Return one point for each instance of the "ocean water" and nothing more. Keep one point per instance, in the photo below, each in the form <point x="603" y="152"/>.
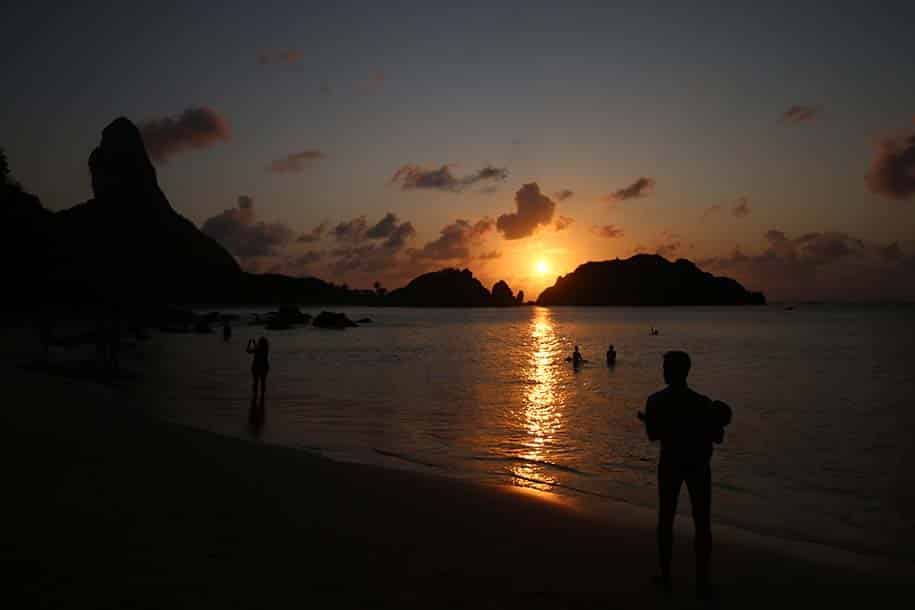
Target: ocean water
<point x="821" y="446"/>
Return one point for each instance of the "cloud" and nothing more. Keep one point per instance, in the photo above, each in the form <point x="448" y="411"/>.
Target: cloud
<point x="563" y="194"/>
<point x="668" y="250"/>
<point x="822" y="265"/>
<point x="607" y="231"/>
<point x="295" y="162"/>
<point x="351" y="230"/>
<point x="640" y="188"/>
<point x="892" y="170"/>
<point x="533" y="209"/>
<point x="741" y="208"/>
<point x="800" y="114"/>
<point x="309" y="257"/>
<point x="488" y="256"/>
<point x="314" y="235"/>
<point x="199" y="127"/>
<point x="397" y="239"/>
<point x="563" y="222"/>
<point x="412" y="177"/>
<point x="711" y="211"/>
<point x="384" y="227"/>
<point x="287" y="57"/>
<point x="454" y="241"/>
<point x="237" y="230"/>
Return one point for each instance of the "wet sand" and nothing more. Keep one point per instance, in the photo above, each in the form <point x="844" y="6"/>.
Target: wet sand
<point x="104" y="508"/>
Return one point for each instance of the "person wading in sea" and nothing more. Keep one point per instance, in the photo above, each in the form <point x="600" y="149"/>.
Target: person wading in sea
<point x="686" y="423"/>
<point x="260" y="366"/>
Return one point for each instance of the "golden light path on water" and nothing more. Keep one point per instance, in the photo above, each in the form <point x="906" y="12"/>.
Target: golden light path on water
<point x="542" y="405"/>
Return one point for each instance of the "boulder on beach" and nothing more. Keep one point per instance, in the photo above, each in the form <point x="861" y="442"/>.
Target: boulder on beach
<point x="329" y="319"/>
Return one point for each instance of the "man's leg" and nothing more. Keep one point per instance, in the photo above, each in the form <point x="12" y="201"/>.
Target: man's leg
<point x="699" y="484"/>
<point x="669" y="482"/>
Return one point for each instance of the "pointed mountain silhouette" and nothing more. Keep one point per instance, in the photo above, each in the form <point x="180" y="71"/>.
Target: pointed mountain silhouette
<point x="646" y="279"/>
<point x="125" y="245"/>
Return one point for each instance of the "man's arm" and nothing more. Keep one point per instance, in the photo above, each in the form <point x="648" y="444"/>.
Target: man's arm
<point x="651" y="420"/>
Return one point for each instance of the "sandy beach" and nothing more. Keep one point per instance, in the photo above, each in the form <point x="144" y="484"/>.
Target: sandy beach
<point x="105" y="508"/>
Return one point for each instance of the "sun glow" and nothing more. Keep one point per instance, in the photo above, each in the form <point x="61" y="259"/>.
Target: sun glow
<point x="541" y="266"/>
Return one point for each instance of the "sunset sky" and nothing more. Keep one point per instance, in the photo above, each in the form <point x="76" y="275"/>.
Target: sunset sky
<point x="772" y="142"/>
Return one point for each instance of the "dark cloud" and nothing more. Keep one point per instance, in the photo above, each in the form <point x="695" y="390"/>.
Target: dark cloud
<point x="563" y="222"/>
<point x="454" y="241"/>
<point x="892" y="171"/>
<point x="288" y="57"/>
<point x="394" y="233"/>
<point x="237" y="230"/>
<point x="800" y="114"/>
<point x="398" y="238"/>
<point x="821" y="265"/>
<point x="295" y="162"/>
<point x="533" y="209"/>
<point x="608" y="231"/>
<point x="563" y="194"/>
<point x="314" y="235"/>
<point x="741" y="208"/>
<point x="413" y="177"/>
<point x="199" y="127"/>
<point x="351" y="230"/>
<point x="370" y="249"/>
<point x="640" y="188"/>
<point x="384" y="227"/>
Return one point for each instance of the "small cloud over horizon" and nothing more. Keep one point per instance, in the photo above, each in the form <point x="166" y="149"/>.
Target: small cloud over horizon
<point x="607" y="231"/>
<point x="295" y="162"/>
<point x="800" y="114"/>
<point x="194" y="128"/>
<point x="642" y="187"/>
<point x="415" y="177"/>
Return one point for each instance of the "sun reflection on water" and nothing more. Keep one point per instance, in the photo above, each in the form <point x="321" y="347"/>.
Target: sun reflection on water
<point x="542" y="405"/>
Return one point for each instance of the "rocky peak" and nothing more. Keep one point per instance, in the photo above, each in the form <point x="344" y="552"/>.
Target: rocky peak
<point x="121" y="168"/>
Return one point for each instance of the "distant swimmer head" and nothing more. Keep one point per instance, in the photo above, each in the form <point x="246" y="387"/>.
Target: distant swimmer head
<point x="676" y="367"/>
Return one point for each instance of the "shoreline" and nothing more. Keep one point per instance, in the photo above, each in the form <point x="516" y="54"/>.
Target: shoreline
<point x="114" y="507"/>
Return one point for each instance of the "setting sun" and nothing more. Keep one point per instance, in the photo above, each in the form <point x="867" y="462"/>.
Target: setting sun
<point x="541" y="267"/>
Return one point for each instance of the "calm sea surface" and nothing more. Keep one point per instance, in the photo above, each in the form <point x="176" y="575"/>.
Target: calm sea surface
<point x="821" y="447"/>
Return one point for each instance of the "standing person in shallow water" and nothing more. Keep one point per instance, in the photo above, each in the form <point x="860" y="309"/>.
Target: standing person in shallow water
<point x="260" y="366"/>
<point x="687" y="424"/>
<point x="576" y="358"/>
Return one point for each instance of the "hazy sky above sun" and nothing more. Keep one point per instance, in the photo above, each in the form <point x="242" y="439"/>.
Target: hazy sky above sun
<point x="363" y="141"/>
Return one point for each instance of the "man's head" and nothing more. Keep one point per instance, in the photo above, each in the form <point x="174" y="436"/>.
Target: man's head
<point x="676" y="367"/>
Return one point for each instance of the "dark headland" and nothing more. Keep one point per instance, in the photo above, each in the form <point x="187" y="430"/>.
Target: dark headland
<point x="646" y="279"/>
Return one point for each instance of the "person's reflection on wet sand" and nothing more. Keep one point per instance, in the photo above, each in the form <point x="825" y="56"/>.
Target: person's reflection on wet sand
<point x="256" y="417"/>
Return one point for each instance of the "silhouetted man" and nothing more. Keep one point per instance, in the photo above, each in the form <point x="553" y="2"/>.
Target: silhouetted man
<point x="686" y="424"/>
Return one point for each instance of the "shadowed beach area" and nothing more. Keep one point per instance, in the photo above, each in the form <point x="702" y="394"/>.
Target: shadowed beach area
<point x="105" y="508"/>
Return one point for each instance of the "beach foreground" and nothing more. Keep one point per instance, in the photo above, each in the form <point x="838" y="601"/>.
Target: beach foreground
<point x="108" y="509"/>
